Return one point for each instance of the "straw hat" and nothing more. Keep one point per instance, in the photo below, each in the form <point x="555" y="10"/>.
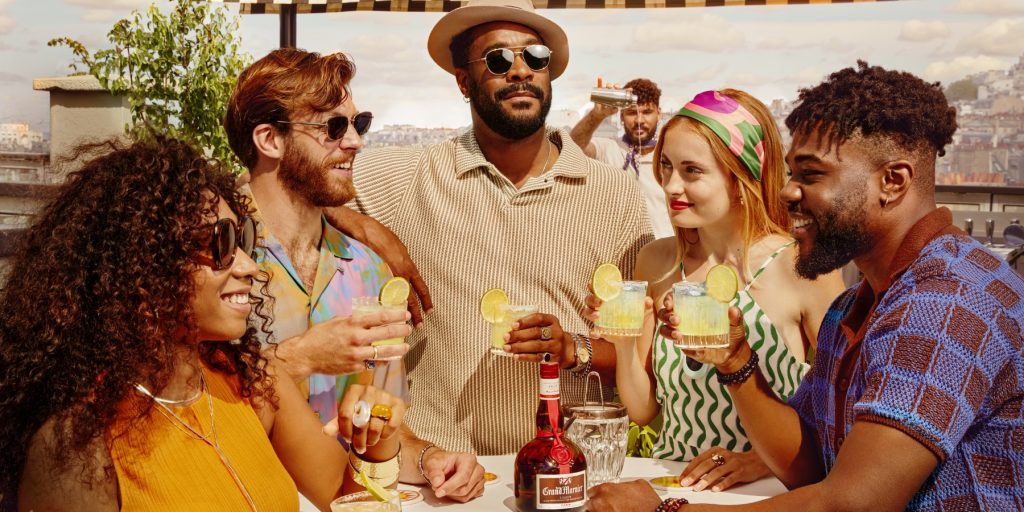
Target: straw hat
<point x="478" y="12"/>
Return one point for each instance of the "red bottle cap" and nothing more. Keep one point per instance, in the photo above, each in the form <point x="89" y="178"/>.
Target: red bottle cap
<point x="549" y="370"/>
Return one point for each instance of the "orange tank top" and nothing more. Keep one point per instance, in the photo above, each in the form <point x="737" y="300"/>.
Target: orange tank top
<point x="163" y="467"/>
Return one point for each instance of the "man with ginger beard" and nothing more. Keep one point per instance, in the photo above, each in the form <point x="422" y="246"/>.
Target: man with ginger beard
<point x="914" y="401"/>
<point x="293" y="122"/>
<point x="511" y="204"/>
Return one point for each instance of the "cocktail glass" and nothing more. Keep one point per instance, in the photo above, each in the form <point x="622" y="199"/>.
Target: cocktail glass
<point x="365" y="502"/>
<point x="510" y="313"/>
<point x="623" y="315"/>
<point x="368" y="305"/>
<point x="703" y="321"/>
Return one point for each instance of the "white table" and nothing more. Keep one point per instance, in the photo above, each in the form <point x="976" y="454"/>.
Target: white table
<point x="500" y="496"/>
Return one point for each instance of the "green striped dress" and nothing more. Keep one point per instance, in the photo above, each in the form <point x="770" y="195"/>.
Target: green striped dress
<point x="697" y="411"/>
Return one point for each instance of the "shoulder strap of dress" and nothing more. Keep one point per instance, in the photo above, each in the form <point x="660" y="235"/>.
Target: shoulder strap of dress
<point x="768" y="262"/>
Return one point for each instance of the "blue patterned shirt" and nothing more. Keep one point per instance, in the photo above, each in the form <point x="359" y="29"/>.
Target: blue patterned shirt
<point x="937" y="355"/>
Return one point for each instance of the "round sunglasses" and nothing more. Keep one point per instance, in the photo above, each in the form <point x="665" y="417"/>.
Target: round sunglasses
<point x="226" y="239"/>
<point x="499" y="60"/>
<point x="338" y="125"/>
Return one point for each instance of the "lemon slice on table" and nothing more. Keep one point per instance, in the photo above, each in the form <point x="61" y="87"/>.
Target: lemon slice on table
<point x="395" y="292"/>
<point x="379" y="492"/>
<point x="490" y="302"/>
<point x="722" y="283"/>
<point x="607" y="281"/>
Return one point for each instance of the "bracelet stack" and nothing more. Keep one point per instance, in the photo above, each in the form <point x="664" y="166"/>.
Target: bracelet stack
<point x="419" y="460"/>
<point x="384" y="473"/>
<point x="671" y="505"/>
<point x="740" y="376"/>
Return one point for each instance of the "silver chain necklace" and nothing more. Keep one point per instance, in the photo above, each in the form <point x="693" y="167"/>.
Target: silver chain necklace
<point x="210" y="439"/>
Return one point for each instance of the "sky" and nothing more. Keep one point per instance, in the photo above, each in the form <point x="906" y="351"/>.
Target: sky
<point x="769" y="51"/>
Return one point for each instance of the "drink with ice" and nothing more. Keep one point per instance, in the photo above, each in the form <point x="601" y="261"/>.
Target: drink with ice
<point x="368" y="305"/>
<point x="507" y="315"/>
<point x="703" y="320"/>
<point x="623" y="315"/>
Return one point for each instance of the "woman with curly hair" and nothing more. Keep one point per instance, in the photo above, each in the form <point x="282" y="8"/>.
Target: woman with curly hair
<point x="131" y="378"/>
<point x="720" y="162"/>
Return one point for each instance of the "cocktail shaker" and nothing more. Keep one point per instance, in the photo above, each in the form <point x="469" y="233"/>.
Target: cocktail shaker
<point x="613" y="97"/>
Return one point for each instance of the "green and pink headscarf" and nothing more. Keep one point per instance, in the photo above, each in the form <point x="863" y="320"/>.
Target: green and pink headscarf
<point x="735" y="125"/>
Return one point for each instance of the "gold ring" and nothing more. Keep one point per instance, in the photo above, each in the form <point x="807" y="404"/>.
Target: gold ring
<point x="375" y="355"/>
<point x="381" y="411"/>
<point x="717" y="458"/>
<point x="545" y="332"/>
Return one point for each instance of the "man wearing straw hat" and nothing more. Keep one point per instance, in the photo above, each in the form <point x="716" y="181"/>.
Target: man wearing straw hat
<point x="509" y="204"/>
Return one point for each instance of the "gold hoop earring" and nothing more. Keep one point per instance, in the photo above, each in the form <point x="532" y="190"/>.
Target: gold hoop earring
<point x="886" y="203"/>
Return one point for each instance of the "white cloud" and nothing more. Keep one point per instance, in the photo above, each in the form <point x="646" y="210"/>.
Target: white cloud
<point x="705" y="33"/>
<point x="960" y="67"/>
<point x="921" y="31"/>
<point x="101" y="15"/>
<point x="989" y="7"/>
<point x="1001" y="37"/>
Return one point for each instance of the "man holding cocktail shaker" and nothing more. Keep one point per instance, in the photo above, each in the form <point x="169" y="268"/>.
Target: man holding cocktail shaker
<point x="638" y="106"/>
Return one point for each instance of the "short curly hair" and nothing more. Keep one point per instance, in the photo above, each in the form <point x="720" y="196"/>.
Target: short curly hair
<point x="647" y="92"/>
<point x="871" y="100"/>
<point x="97" y="297"/>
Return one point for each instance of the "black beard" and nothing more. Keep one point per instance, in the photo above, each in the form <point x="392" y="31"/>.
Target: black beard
<point x="643" y="140"/>
<point x="839" y="239"/>
<point x="307" y="179"/>
<point x="508" y="126"/>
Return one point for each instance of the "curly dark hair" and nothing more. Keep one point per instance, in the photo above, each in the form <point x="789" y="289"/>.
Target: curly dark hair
<point x="647" y="92"/>
<point x="871" y="100"/>
<point x="98" y="293"/>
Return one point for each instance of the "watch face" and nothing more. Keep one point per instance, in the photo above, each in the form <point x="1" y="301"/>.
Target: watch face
<point x="582" y="355"/>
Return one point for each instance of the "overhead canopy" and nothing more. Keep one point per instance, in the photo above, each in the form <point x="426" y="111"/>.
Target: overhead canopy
<point x="322" y="6"/>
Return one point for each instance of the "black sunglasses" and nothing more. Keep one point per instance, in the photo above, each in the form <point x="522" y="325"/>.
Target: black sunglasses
<point x="337" y="126"/>
<point x="500" y="60"/>
<point x="227" y="237"/>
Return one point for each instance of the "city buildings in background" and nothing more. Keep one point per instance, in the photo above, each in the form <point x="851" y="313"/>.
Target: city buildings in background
<point x="987" y="149"/>
<point x="24" y="154"/>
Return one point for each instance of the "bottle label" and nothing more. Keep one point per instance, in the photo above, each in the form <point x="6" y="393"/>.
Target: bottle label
<point x="561" y="491"/>
<point x="549" y="389"/>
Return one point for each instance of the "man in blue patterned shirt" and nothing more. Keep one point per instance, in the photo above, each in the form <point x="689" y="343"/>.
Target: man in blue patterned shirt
<point x="915" y="397"/>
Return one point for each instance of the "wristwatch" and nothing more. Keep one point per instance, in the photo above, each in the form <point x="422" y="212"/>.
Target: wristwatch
<point x="584" y="354"/>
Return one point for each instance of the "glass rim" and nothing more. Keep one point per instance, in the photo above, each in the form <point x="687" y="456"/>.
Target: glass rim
<point x="358" y="496"/>
<point x="595" y="410"/>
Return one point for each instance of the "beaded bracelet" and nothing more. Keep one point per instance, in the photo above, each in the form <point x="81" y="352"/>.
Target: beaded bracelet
<point x="419" y="461"/>
<point x="671" y="505"/>
<point x="740" y="376"/>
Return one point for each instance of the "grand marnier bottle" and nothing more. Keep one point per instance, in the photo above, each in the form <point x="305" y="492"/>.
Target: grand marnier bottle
<point x="551" y="471"/>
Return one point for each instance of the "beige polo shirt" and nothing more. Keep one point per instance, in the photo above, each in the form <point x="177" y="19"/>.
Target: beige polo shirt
<point x="468" y="229"/>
